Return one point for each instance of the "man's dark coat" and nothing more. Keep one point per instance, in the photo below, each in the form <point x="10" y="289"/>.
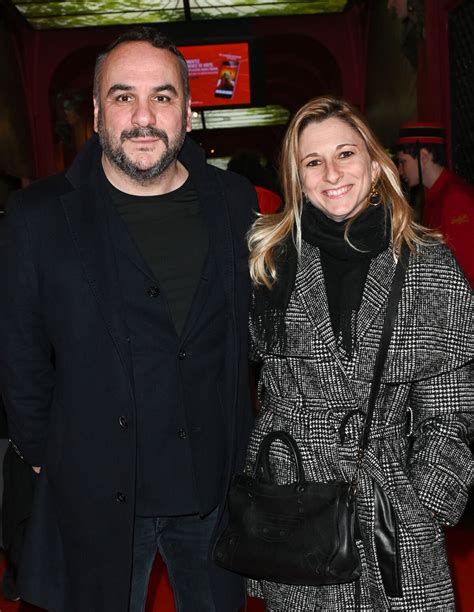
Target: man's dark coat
<point x="67" y="379"/>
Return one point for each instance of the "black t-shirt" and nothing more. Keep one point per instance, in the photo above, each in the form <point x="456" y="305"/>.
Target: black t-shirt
<point x="170" y="233"/>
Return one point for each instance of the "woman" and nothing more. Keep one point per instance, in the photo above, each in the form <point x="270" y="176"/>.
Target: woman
<point x="322" y="270"/>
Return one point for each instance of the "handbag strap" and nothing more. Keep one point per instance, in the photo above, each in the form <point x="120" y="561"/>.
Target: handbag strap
<point x="388" y="325"/>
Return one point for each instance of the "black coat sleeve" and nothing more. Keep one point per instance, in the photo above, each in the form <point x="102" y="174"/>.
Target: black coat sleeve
<point x="26" y="369"/>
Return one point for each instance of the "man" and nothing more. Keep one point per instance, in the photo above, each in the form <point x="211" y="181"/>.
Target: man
<point x="123" y="348"/>
<point x="448" y="200"/>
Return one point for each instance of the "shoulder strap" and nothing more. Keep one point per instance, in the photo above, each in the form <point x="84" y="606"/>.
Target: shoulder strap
<point x="389" y="322"/>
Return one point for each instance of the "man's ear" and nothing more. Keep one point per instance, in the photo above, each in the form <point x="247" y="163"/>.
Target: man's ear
<point x="425" y="157"/>
<point x="96" y="113"/>
<point x="189" y="116"/>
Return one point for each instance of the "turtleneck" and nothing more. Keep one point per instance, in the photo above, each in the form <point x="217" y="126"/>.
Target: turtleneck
<point x="368" y="233"/>
<point x="345" y="264"/>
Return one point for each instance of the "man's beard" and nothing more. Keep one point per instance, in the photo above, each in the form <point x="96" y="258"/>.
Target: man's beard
<point x="117" y="156"/>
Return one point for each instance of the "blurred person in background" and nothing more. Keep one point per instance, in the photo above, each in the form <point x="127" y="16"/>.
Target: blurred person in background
<point x="447" y="200"/>
<point x="256" y="168"/>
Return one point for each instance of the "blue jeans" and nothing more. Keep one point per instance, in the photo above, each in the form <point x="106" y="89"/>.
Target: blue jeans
<point x="183" y="543"/>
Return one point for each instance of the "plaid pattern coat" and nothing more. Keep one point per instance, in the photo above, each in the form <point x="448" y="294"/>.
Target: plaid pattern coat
<point x="308" y="388"/>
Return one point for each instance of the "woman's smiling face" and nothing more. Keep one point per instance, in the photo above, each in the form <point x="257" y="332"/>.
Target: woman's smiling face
<point x="335" y="168"/>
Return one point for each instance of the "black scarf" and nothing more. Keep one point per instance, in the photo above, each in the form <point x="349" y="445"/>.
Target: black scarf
<point x="344" y="267"/>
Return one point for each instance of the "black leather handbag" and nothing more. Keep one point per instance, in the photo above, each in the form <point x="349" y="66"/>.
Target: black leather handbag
<point x="301" y="533"/>
<point x="298" y="533"/>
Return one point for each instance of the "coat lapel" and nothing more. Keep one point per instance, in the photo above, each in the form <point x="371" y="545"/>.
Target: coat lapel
<point x="86" y="214"/>
<point x="311" y="291"/>
<point x="376" y="290"/>
<point x="213" y="201"/>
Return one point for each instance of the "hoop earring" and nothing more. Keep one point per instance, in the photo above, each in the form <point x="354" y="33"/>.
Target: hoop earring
<point x="374" y="196"/>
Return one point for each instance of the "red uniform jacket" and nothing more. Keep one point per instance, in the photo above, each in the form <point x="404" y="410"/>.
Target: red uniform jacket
<point x="449" y="207"/>
<point x="268" y="201"/>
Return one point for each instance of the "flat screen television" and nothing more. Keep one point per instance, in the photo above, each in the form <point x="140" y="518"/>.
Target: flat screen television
<point x="222" y="74"/>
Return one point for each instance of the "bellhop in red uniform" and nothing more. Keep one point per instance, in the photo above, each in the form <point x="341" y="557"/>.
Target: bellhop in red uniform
<point x="448" y="199"/>
<point x="449" y="206"/>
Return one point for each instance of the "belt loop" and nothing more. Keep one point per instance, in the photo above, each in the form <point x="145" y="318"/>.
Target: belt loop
<point x="345" y="419"/>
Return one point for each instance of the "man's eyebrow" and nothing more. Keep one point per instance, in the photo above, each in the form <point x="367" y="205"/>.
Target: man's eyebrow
<point x="167" y="87"/>
<point x="159" y="88"/>
<point x="119" y="87"/>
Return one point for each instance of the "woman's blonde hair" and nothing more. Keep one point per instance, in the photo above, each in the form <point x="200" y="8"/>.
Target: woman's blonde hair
<point x="270" y="231"/>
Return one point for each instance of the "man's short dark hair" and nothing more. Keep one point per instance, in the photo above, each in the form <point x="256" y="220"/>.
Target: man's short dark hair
<point x="142" y="34"/>
<point x="437" y="151"/>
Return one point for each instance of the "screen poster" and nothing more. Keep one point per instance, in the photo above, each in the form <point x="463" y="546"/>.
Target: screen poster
<point x="219" y="74"/>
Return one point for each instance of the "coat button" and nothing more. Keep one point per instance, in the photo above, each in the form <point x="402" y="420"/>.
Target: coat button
<point x="121" y="498"/>
<point x="181" y="355"/>
<point x="153" y="291"/>
<point x="182" y="434"/>
<point x="123" y="422"/>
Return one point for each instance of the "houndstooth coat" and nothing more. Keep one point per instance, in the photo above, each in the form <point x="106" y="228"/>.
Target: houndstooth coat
<point x="309" y="388"/>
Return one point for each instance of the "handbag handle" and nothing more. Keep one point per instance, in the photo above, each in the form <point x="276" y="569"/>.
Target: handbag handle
<point x="261" y="468"/>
